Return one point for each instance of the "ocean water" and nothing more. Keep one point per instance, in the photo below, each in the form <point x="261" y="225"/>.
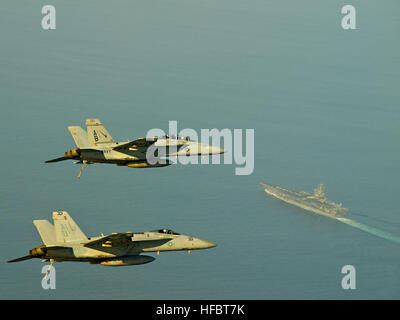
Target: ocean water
<point x="324" y="104"/>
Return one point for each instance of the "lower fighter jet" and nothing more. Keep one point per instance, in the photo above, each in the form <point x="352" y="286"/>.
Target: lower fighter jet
<point x="97" y="146"/>
<point x="64" y="241"/>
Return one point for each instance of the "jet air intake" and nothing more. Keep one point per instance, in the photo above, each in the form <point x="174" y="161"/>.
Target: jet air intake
<point x="127" y="261"/>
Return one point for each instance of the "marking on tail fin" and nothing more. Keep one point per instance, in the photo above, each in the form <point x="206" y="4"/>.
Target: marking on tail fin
<point x="97" y="134"/>
<point x="66" y="230"/>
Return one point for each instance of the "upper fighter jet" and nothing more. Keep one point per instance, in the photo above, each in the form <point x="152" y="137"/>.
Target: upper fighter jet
<point x="64" y="241"/>
<point x="97" y="146"/>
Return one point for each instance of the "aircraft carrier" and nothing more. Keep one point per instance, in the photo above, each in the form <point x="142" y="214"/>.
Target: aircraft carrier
<point x="316" y="202"/>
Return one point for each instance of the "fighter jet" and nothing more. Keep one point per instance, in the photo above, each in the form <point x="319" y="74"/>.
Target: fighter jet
<point x="97" y="146"/>
<point x="65" y="241"/>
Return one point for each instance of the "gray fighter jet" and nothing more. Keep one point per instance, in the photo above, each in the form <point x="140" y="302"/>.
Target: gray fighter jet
<point x="97" y="146"/>
<point x="64" y="241"/>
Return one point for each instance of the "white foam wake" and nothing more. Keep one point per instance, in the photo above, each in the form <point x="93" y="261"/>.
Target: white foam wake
<point x="371" y="230"/>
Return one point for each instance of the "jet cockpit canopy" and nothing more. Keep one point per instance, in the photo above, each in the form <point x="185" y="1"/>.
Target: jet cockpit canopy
<point x="167" y="231"/>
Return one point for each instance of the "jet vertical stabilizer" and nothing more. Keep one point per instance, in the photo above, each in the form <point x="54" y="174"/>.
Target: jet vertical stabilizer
<point x="66" y="230"/>
<point x="97" y="134"/>
<point x="80" y="136"/>
<point x="46" y="231"/>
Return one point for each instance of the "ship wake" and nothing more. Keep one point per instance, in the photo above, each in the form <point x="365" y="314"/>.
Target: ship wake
<point x="370" y="230"/>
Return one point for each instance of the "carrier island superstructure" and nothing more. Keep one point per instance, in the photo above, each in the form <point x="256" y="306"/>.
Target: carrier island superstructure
<point x="316" y="202"/>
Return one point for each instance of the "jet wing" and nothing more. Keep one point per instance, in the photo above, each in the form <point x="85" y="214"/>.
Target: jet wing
<point x="121" y="239"/>
<point x="141" y="142"/>
<point x="115" y="239"/>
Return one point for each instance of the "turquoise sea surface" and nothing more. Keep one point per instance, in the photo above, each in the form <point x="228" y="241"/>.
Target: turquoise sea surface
<point x="324" y="103"/>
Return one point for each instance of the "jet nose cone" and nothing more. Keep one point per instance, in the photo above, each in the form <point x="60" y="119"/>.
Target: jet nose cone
<point x="204" y="244"/>
<point x="211" y="244"/>
<point x="216" y="150"/>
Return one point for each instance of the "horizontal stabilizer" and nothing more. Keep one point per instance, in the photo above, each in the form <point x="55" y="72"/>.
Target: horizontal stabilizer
<point x="21" y="259"/>
<point x="57" y="159"/>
